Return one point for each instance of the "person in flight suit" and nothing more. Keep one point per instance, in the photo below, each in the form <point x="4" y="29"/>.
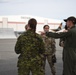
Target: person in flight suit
<point x="69" y="64"/>
<point x="30" y="48"/>
<point x="50" y="49"/>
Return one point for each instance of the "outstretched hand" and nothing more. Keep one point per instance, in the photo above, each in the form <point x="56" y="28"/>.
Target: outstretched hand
<point x="42" y="33"/>
<point x="65" y="31"/>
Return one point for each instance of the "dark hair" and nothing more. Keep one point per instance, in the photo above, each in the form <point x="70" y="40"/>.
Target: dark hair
<point x="32" y="23"/>
<point x="66" y="27"/>
<point x="71" y="18"/>
<point x="75" y="21"/>
<point x="45" y="26"/>
<point x="26" y="27"/>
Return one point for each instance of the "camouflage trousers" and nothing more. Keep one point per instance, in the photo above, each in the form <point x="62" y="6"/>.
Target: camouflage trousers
<point x="51" y="64"/>
<point x="35" y="68"/>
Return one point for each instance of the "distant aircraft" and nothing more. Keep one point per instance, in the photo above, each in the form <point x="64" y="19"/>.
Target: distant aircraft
<point x="18" y="22"/>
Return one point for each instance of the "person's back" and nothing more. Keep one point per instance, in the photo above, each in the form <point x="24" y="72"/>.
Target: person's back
<point x="30" y="44"/>
<point x="31" y="48"/>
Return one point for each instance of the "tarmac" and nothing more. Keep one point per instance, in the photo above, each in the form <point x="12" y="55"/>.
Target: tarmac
<point x="8" y="58"/>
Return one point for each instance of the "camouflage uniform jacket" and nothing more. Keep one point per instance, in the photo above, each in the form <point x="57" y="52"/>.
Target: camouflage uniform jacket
<point x="30" y="46"/>
<point x="49" y="45"/>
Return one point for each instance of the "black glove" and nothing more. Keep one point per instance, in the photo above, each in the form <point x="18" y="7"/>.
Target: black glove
<point x="54" y="58"/>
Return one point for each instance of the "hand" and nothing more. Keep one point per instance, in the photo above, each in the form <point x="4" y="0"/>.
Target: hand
<point x="65" y="31"/>
<point x="42" y="33"/>
<point x="62" y="43"/>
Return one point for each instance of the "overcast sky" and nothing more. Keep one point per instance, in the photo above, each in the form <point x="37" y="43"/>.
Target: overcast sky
<point x="56" y="9"/>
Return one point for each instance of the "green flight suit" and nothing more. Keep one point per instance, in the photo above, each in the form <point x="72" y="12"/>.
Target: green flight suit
<point x="69" y="64"/>
<point x="31" y="48"/>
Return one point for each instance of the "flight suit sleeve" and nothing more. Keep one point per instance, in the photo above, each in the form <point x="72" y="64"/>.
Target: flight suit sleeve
<point x="58" y="35"/>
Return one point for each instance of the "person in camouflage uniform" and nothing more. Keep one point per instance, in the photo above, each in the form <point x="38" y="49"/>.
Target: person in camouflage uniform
<point x="50" y="49"/>
<point x="31" y="48"/>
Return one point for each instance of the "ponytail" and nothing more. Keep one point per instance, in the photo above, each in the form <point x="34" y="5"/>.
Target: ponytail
<point x="32" y="23"/>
